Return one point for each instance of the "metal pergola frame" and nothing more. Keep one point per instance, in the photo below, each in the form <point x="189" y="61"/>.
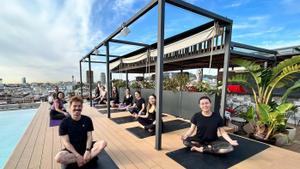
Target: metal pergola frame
<point x="227" y="23"/>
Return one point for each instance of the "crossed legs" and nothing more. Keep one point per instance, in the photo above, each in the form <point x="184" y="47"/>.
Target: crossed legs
<point x="66" y="157"/>
<point x="215" y="147"/>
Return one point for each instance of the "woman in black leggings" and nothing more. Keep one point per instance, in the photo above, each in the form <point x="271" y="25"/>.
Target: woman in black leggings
<point x="148" y="120"/>
<point x="208" y="125"/>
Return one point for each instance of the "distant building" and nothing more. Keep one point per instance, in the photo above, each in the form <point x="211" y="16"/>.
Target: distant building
<point x="102" y="78"/>
<point x="24" y="80"/>
<point x="1" y="85"/>
<point x="88" y="79"/>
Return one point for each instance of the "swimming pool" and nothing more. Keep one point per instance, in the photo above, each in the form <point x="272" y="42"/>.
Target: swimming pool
<point x="12" y="126"/>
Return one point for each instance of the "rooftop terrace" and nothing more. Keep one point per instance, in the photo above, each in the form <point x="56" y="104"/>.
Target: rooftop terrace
<point x="40" y="143"/>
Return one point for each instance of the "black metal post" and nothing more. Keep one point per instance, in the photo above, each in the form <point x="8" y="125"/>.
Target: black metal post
<point x="90" y="81"/>
<point x="127" y="79"/>
<point x="180" y="96"/>
<point x="108" y="79"/>
<point x="80" y="70"/>
<point x="225" y="68"/>
<point x="159" y="72"/>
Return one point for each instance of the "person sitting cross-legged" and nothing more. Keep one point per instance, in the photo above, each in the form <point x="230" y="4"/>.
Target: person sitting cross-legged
<point x="208" y="125"/>
<point x="127" y="101"/>
<point x="97" y="97"/>
<point x="114" y="97"/>
<point x="148" y="120"/>
<point x="76" y="134"/>
<point x="138" y="108"/>
<point x="57" y="110"/>
<point x="103" y="95"/>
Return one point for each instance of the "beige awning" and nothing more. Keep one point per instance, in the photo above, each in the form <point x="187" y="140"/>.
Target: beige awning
<point x="181" y="44"/>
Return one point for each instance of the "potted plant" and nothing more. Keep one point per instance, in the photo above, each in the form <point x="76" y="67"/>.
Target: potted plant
<point x="170" y="84"/>
<point x="266" y="115"/>
<point x="135" y="85"/>
<point x="182" y="80"/>
<point x="147" y="84"/>
<point x="119" y="83"/>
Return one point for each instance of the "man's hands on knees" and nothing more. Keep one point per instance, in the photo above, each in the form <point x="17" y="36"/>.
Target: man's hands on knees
<point x="87" y="156"/>
<point x="234" y="143"/>
<point x="183" y="137"/>
<point x="79" y="160"/>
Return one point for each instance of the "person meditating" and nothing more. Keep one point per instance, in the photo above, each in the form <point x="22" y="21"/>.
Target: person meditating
<point x="76" y="134"/>
<point x="139" y="105"/>
<point x="103" y="95"/>
<point x="208" y="125"/>
<point x="114" y="97"/>
<point x="97" y="97"/>
<point x="57" y="110"/>
<point x="148" y="120"/>
<point x="127" y="101"/>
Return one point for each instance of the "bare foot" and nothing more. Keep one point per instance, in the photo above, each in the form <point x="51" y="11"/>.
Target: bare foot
<point x="199" y="149"/>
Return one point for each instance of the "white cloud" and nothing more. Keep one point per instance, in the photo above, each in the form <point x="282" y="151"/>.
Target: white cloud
<point x="279" y="44"/>
<point x="243" y="26"/>
<point x="260" y="33"/>
<point x="259" y="18"/>
<point x="233" y="5"/>
<point x="43" y="40"/>
<point x="290" y="6"/>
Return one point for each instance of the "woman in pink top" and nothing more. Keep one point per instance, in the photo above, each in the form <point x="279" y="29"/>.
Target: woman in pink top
<point x="57" y="109"/>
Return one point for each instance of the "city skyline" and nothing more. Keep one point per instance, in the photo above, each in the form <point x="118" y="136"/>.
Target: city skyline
<point x="44" y="40"/>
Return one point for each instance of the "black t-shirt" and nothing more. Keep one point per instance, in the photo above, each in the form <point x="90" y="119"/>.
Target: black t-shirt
<point x="115" y="97"/>
<point x="97" y="92"/>
<point x="207" y="126"/>
<point x="139" y="103"/>
<point x="77" y="131"/>
<point x="128" y="101"/>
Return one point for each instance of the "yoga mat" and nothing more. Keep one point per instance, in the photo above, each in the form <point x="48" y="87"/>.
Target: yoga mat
<point x="122" y="120"/>
<point x="111" y="111"/>
<point x="196" y="160"/>
<point x="99" y="106"/>
<point x="104" y="161"/>
<point x="54" y="123"/>
<point x="168" y="126"/>
<point x="125" y="119"/>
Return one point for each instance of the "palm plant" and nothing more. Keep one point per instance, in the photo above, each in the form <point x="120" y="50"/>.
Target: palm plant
<point x="266" y="80"/>
<point x="274" y="118"/>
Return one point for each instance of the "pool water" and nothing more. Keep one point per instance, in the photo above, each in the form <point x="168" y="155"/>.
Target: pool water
<point x="12" y="126"/>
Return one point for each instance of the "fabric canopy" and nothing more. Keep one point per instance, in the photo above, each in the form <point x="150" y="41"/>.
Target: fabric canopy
<point x="181" y="44"/>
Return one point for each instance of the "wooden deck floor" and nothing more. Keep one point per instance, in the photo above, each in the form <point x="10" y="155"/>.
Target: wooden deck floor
<point x="40" y="143"/>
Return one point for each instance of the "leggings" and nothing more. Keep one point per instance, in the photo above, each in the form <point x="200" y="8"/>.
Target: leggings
<point x="135" y="111"/>
<point x="147" y="123"/>
<point x="218" y="146"/>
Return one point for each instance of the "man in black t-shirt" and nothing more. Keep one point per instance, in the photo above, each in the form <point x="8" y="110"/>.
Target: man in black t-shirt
<point x="208" y="125"/>
<point x="76" y="134"/>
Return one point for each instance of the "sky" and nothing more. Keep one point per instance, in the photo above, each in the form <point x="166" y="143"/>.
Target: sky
<point x="43" y="40"/>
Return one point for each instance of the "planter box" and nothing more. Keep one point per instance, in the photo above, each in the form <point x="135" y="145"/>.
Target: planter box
<point x="190" y="105"/>
<point x="171" y="102"/>
<point x="180" y="104"/>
